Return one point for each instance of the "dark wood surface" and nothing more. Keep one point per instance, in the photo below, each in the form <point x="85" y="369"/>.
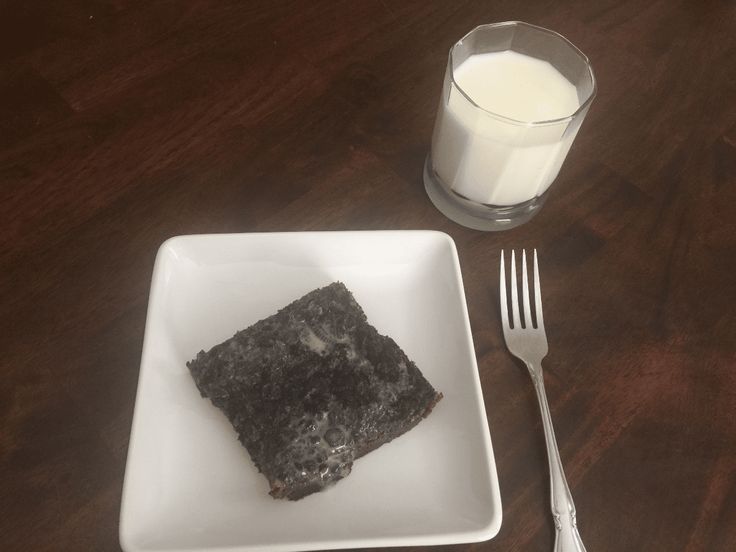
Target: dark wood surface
<point x="123" y="123"/>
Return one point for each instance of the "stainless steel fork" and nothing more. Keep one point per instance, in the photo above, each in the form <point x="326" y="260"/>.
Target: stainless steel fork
<point x="529" y="344"/>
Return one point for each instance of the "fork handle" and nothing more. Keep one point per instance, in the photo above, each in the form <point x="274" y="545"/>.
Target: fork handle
<point x="567" y="538"/>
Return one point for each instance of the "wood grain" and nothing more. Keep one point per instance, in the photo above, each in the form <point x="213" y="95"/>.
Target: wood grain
<point x="123" y="123"/>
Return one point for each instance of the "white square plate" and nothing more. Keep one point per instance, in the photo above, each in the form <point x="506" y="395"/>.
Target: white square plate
<point x="190" y="485"/>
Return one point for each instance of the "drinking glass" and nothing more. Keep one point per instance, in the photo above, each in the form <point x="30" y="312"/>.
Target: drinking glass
<point x="487" y="170"/>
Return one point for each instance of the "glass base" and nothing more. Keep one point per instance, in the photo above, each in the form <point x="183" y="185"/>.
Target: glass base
<point x="478" y="216"/>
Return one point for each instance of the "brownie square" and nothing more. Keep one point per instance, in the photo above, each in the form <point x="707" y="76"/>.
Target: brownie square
<point x="311" y="388"/>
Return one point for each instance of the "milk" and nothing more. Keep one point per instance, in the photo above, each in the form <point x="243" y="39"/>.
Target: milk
<point x="492" y="160"/>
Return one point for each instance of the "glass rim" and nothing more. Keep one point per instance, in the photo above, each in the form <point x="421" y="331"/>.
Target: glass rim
<point x="547" y="122"/>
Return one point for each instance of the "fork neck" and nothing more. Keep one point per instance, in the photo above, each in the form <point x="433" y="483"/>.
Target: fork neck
<point x="535" y="371"/>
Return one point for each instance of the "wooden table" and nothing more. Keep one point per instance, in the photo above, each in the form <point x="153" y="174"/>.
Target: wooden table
<point x="123" y="123"/>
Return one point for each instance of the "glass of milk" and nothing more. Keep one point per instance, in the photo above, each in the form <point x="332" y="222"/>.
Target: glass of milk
<point x="513" y="99"/>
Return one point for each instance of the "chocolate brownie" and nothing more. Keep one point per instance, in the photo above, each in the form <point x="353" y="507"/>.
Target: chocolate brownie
<point x="311" y="388"/>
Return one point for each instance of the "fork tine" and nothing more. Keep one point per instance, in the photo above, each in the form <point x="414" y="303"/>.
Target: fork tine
<point x="502" y="285"/>
<point x="537" y="294"/>
<point x="514" y="293"/>
<point x="525" y="291"/>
